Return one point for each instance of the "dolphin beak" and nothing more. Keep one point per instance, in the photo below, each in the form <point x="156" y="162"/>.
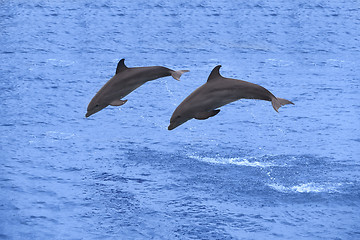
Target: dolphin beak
<point x="174" y="125"/>
<point x="171" y="126"/>
<point x="88" y="114"/>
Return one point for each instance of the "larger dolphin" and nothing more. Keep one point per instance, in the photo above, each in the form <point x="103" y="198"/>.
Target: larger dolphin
<point x="124" y="82"/>
<point x="216" y="92"/>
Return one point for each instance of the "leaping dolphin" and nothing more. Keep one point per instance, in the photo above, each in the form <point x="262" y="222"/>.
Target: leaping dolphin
<point x="124" y="82"/>
<point x="216" y="92"/>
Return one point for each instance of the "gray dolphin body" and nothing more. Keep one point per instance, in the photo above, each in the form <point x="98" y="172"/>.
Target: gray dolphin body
<point x="124" y="82"/>
<point x="216" y="92"/>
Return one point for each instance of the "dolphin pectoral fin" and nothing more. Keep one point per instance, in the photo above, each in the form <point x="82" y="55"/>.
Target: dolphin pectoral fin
<point x="177" y="74"/>
<point x="206" y="115"/>
<point x="118" y="102"/>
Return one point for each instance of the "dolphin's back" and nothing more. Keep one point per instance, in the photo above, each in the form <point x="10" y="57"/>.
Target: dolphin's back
<point x="248" y="90"/>
<point x="129" y="79"/>
<point x="218" y="93"/>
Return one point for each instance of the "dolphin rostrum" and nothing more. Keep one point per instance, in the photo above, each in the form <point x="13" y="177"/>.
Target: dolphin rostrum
<point x="216" y="92"/>
<point x="124" y="82"/>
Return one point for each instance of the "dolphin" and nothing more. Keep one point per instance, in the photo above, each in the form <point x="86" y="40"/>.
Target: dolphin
<point x="124" y="82"/>
<point x="216" y="92"/>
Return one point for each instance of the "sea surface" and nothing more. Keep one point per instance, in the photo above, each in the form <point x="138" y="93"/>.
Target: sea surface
<point x="247" y="173"/>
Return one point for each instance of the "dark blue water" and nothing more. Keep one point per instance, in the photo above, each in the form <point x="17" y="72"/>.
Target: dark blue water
<point x="247" y="173"/>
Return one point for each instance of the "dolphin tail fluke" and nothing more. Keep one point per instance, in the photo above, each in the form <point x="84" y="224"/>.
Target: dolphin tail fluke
<point x="278" y="102"/>
<point x="177" y="74"/>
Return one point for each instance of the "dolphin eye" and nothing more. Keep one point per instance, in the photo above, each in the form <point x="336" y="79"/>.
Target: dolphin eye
<point x="96" y="105"/>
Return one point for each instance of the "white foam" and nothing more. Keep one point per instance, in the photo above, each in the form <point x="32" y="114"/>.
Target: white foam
<point x="60" y="62"/>
<point x="59" y="135"/>
<point x="234" y="161"/>
<point x="278" y="62"/>
<point x="307" y="187"/>
<point x="335" y="62"/>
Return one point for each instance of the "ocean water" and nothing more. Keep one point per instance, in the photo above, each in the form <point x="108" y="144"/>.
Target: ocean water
<point x="247" y="173"/>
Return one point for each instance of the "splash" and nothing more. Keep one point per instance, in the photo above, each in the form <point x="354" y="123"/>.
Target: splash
<point x="310" y="187"/>
<point x="55" y="135"/>
<point x="235" y="161"/>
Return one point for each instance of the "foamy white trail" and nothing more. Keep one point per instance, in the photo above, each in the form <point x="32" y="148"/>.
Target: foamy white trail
<point x="234" y="161"/>
<point x="310" y="187"/>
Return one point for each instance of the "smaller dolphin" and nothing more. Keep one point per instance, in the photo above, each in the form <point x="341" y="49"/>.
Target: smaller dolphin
<point x="216" y="92"/>
<point x="124" y="82"/>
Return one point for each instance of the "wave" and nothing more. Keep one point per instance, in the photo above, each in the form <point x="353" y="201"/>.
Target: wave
<point x="310" y="187"/>
<point x="52" y="136"/>
<point x="55" y="135"/>
<point x="60" y="62"/>
<point x="250" y="162"/>
<point x="279" y="62"/>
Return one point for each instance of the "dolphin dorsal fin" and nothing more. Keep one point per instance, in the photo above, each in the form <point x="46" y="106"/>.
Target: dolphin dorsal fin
<point x="214" y="74"/>
<point x="121" y="66"/>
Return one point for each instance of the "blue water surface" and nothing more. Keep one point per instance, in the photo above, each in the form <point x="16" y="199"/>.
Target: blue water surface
<point x="247" y="173"/>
